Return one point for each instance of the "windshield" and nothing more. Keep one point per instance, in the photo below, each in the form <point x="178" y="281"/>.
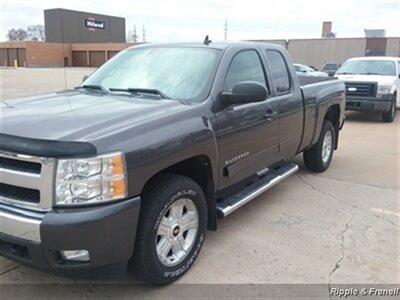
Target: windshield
<point x="177" y="72"/>
<point x="368" y="67"/>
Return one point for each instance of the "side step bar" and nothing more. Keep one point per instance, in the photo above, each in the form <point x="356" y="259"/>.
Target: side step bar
<point x="273" y="177"/>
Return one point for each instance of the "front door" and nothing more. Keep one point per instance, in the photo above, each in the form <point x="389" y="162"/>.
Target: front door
<point x="247" y="134"/>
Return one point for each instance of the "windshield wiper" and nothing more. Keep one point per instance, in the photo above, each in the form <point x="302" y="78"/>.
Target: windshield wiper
<point x="141" y="91"/>
<point x="345" y="73"/>
<point x="92" y="87"/>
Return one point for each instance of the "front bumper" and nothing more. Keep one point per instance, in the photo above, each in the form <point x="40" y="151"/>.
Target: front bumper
<point x="107" y="232"/>
<point x="369" y="104"/>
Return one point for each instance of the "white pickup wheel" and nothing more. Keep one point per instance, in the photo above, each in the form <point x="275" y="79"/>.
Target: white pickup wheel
<point x="391" y="114"/>
<point x="319" y="157"/>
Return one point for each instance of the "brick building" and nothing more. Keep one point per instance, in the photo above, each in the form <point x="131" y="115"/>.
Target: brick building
<point x="91" y="39"/>
<point x="73" y="38"/>
<point x="43" y="54"/>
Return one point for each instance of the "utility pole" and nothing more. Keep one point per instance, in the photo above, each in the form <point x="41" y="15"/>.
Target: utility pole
<point x="226" y="30"/>
<point x="144" y="34"/>
<point x="135" y="37"/>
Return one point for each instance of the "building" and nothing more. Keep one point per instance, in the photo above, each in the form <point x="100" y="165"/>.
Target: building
<point x="327" y="30"/>
<point x="72" y="38"/>
<point x="314" y="52"/>
<point x="82" y="50"/>
<point x="43" y="54"/>
<point x="375" y="33"/>
<point x="69" y="26"/>
<point x="318" y="52"/>
<point x="329" y="49"/>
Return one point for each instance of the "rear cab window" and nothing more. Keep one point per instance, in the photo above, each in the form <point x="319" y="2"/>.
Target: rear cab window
<point x="280" y="74"/>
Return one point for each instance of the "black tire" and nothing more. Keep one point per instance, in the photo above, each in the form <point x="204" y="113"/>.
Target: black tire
<point x="313" y="157"/>
<point x="156" y="200"/>
<point x="389" y="116"/>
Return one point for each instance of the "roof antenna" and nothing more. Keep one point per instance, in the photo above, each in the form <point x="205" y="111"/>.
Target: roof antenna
<point x="207" y="41"/>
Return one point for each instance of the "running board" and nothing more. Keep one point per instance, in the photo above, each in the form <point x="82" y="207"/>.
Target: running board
<point x="267" y="181"/>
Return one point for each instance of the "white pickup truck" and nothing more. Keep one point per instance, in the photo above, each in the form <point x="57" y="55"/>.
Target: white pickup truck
<point x="372" y="85"/>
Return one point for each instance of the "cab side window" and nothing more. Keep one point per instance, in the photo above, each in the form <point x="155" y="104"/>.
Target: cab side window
<point x="279" y="71"/>
<point x="245" y="66"/>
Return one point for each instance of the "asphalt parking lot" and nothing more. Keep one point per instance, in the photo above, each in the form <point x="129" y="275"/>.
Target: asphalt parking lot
<point x="341" y="226"/>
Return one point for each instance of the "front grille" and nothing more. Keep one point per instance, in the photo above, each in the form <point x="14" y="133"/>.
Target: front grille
<point x="19" y="193"/>
<point x="20" y="165"/>
<point x="26" y="181"/>
<point x="361" y="89"/>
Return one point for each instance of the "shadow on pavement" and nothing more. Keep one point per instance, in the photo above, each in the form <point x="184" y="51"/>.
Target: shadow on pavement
<point x="363" y="117"/>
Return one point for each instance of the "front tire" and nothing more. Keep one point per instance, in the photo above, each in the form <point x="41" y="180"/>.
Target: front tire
<point x="389" y="116"/>
<point x="172" y="227"/>
<point x="319" y="157"/>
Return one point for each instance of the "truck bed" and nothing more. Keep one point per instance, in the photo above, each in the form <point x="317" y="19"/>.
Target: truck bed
<point x="305" y="80"/>
<point x="314" y="90"/>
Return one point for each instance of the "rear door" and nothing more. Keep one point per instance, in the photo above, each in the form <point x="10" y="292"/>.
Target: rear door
<point x="247" y="134"/>
<point x="290" y="103"/>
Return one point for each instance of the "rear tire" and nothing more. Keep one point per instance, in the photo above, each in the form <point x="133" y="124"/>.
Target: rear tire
<point x="318" y="158"/>
<point x="172" y="228"/>
<point x="389" y="116"/>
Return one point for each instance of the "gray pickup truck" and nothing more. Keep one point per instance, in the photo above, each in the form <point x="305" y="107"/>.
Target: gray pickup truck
<point x="132" y="167"/>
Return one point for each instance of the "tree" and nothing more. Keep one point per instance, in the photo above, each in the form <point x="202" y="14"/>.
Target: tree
<point x="11" y="34"/>
<point x="32" y="33"/>
<point x="35" y="33"/>
<point x="17" y="35"/>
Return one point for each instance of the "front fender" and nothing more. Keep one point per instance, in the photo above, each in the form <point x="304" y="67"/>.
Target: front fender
<point x="168" y="146"/>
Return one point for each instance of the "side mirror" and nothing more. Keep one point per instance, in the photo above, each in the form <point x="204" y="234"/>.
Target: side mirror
<point x="245" y="92"/>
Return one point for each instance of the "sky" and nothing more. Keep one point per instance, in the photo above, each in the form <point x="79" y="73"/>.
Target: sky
<point x="191" y="20"/>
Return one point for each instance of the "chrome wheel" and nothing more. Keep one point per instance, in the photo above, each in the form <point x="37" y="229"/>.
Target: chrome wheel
<point x="327" y="147"/>
<point x="177" y="232"/>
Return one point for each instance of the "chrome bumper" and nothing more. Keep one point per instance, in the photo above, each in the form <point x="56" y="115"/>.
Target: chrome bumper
<point x="20" y="223"/>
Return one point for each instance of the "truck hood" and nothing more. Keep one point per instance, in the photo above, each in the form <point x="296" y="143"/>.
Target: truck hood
<point x="380" y="79"/>
<point x="76" y="116"/>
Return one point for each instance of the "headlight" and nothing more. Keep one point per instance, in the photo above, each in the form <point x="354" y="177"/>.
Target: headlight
<point x="384" y="89"/>
<point x="91" y="180"/>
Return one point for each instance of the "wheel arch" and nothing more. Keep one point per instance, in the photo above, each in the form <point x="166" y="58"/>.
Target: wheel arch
<point x="199" y="169"/>
<point x="333" y="115"/>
